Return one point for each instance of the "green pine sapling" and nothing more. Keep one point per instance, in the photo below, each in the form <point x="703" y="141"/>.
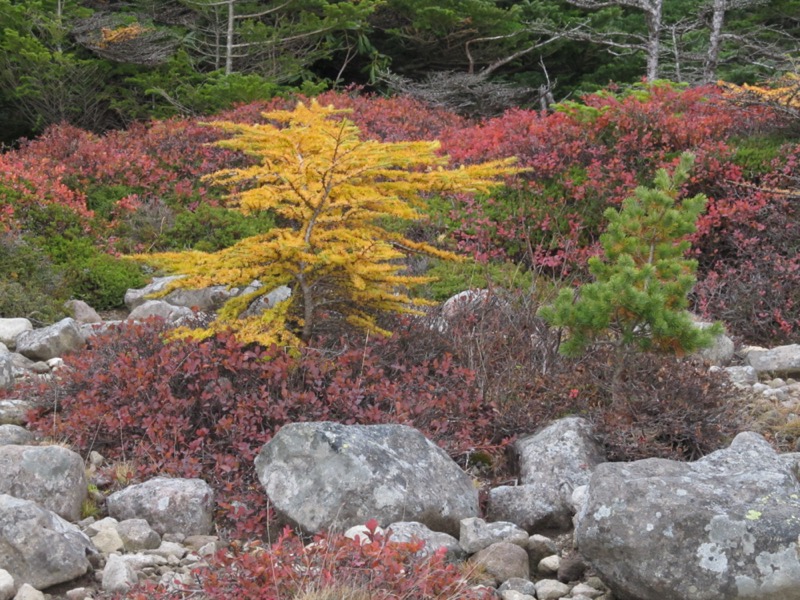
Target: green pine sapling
<point x="638" y="299"/>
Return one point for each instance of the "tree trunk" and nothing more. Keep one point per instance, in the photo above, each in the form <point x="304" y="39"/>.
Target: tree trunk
<point x="229" y="39"/>
<point x="714" y="41"/>
<point x="653" y="16"/>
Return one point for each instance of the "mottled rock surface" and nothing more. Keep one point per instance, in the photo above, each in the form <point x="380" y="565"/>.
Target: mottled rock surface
<point x="325" y="475"/>
<point x="723" y="527"/>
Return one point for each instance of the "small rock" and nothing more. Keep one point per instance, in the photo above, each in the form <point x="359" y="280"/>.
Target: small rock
<point x="476" y="534"/>
<point x="96" y="459"/>
<point x="586" y="590"/>
<point x="79" y="593"/>
<point x="550" y="589"/>
<point x="169" y="549"/>
<point x="503" y="560"/>
<point x="540" y="546"/>
<point x="108" y="540"/>
<point x="28" y="592"/>
<point x="11" y="328"/>
<point x="571" y="568"/>
<point x="118" y="575"/>
<point x="137" y="535"/>
<point x="549" y="565"/>
<point x="82" y="312"/>
<point x="14" y="434"/>
<point x="96" y="527"/>
<point x="515" y="595"/>
<point x="518" y="584"/>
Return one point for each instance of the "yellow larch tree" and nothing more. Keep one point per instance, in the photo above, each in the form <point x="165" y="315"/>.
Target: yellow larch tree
<point x="782" y="93"/>
<point x="332" y="190"/>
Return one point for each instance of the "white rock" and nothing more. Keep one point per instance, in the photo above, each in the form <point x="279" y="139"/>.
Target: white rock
<point x="549" y="565"/>
<point x="169" y="549"/>
<point x="108" y="540"/>
<point x="361" y="534"/>
<point x="79" y="593"/>
<point x="515" y="595"/>
<point x="6" y="585"/>
<point x="28" y="592"/>
<point x="118" y="575"/>
<point x="11" y="328"/>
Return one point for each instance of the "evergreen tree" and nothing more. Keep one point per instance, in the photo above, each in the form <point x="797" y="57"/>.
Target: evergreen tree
<point x="638" y="300"/>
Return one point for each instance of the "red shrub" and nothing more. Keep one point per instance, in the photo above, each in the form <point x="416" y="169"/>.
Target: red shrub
<point x="205" y="409"/>
<point x="380" y="569"/>
<point x="587" y="157"/>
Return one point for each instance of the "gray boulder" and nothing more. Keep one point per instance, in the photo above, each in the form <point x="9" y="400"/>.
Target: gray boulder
<point x="781" y="360"/>
<point x="552" y="463"/>
<point x="14" y="435"/>
<point x="326" y="475"/>
<point x="169" y="505"/>
<point x="138" y="296"/>
<point x="564" y="454"/>
<point x="83" y="313"/>
<point x="723" y="527"/>
<point x="38" y="547"/>
<point x="51" y="476"/>
<point x="49" y="342"/>
<point x="11" y="328"/>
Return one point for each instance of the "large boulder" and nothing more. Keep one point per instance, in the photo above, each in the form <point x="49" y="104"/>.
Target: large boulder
<point x="169" y="505"/>
<point x="781" y="360"/>
<point x="51" y="476"/>
<point x="49" y="342"/>
<point x="38" y="547"/>
<point x="11" y="328"/>
<point x="723" y="527"/>
<point x="552" y="463"/>
<point x="326" y="475"/>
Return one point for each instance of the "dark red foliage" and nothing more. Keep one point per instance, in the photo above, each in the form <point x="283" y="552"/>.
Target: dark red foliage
<point x="379" y="569"/>
<point x="205" y="409"/>
<point x="587" y="157"/>
<point x="751" y="271"/>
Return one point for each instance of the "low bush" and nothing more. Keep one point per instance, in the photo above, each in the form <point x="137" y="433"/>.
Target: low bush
<point x="205" y="408"/>
<point x="30" y="285"/>
<point x="98" y="279"/>
<point x="330" y="568"/>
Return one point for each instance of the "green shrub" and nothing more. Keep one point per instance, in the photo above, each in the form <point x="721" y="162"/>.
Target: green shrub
<point x="30" y="286"/>
<point x="96" y="278"/>
<point x="102" y="280"/>
<point x="211" y="228"/>
<point x="452" y="278"/>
